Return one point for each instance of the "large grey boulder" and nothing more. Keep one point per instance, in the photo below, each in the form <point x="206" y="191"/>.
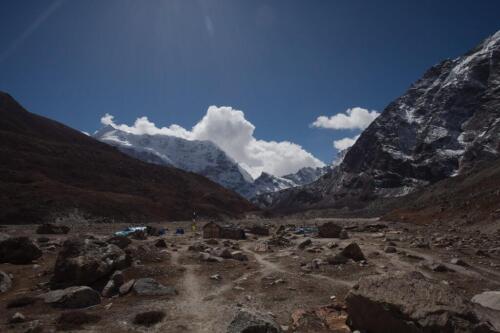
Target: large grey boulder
<point x="86" y="261"/>
<point x="410" y="303"/>
<point x="488" y="299"/>
<point x="5" y="282"/>
<point x="151" y="287"/>
<point x="247" y="321"/>
<point x="18" y="250"/>
<point x="72" y="297"/>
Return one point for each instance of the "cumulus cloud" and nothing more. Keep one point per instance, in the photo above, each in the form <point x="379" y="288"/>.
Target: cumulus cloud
<point x="354" y="118"/>
<point x="232" y="132"/>
<point x="345" y="143"/>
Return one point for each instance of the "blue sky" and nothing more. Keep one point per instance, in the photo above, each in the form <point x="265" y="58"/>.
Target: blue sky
<point x="283" y="62"/>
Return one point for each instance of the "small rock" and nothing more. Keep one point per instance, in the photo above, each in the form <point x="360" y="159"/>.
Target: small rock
<point x="441" y="268"/>
<point x="238" y="255"/>
<point x="126" y="287"/>
<point x="216" y="277"/>
<point x="343" y="234"/>
<point x="150" y="287"/>
<point x="305" y="243"/>
<point x="120" y="241"/>
<point x="18" y="317"/>
<point x="161" y="243"/>
<point x="458" y="262"/>
<point x="210" y="258"/>
<point x="390" y="249"/>
<point x="332" y="245"/>
<point x="250" y="321"/>
<point x="5" y="282"/>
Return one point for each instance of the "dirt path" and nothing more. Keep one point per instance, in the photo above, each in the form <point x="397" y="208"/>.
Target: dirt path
<point x="192" y="311"/>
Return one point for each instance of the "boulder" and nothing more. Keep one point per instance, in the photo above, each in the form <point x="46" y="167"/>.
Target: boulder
<point x="197" y="247"/>
<point x="210" y="258"/>
<point x="113" y="286"/>
<point x="488" y="299"/>
<point x="329" y="230"/>
<point x="305" y="243"/>
<point x="343" y="234"/>
<point x="18" y="250"/>
<point x="353" y="251"/>
<point x="161" y="243"/>
<point x="86" y="261"/>
<point x="247" y="321"/>
<point x="126" y="287"/>
<point x="238" y="255"/>
<point x="17" y="318"/>
<point x="72" y="297"/>
<point x="458" y="262"/>
<point x="5" y="282"/>
<point x="52" y="229"/>
<point x="390" y="249"/>
<point x="408" y="302"/>
<point x="120" y="241"/>
<point x="440" y="268"/>
<point x="151" y="287"/>
<point x="222" y="253"/>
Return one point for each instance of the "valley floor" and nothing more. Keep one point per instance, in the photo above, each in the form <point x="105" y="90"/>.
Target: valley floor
<point x="280" y="281"/>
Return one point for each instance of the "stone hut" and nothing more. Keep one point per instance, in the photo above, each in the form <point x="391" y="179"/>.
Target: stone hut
<point x="212" y="230"/>
<point x="215" y="230"/>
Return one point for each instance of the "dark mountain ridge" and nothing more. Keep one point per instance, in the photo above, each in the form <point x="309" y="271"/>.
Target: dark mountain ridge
<point x="445" y="124"/>
<point x="48" y="168"/>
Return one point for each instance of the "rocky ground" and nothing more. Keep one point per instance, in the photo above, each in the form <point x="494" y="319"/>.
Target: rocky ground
<point x="407" y="277"/>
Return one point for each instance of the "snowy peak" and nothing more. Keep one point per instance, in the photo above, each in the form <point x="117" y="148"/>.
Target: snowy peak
<point x="202" y="157"/>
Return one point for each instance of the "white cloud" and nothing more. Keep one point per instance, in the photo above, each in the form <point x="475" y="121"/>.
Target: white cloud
<point x="354" y="118"/>
<point x="234" y="134"/>
<point x="142" y="125"/>
<point x="345" y="143"/>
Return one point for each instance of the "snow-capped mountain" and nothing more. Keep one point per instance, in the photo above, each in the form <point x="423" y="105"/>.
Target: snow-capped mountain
<point x="202" y="157"/>
<point x="447" y="122"/>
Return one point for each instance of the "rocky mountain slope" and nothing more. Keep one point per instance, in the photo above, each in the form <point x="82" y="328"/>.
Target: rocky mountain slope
<point x="471" y="197"/>
<point x="204" y="158"/>
<point x="47" y="168"/>
<point x="445" y="124"/>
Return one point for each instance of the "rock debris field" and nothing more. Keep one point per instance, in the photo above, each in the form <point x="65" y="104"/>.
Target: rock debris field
<point x="316" y="275"/>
